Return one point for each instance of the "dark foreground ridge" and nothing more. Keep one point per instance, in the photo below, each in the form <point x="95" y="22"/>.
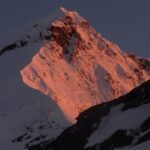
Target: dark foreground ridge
<point x="76" y="137"/>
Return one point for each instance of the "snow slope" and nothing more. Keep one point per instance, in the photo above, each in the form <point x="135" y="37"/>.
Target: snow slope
<point x="78" y="68"/>
<point x="26" y="116"/>
<point x="121" y="124"/>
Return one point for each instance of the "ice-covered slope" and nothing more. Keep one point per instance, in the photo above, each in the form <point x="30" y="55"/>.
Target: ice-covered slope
<point x="26" y="116"/>
<point x="78" y="68"/>
<point x="122" y="124"/>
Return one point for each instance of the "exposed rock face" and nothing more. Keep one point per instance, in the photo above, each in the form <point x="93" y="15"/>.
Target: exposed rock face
<point x="79" y="68"/>
<point x="121" y="124"/>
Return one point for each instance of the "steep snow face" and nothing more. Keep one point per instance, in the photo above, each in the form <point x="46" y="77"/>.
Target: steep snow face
<point x="121" y="124"/>
<point x="26" y="116"/>
<point x="78" y="68"/>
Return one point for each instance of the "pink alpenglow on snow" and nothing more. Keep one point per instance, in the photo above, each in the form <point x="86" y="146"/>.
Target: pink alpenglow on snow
<point x="78" y="68"/>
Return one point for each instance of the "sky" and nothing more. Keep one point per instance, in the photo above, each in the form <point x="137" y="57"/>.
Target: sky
<point x="126" y="23"/>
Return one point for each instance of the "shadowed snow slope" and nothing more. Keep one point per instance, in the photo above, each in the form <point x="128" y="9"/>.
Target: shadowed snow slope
<point x="26" y="116"/>
<point x="121" y="124"/>
<point x="78" y="68"/>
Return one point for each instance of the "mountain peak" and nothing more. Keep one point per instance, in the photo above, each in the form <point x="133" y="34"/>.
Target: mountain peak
<point x="68" y="26"/>
<point x="72" y="14"/>
<point x="78" y="68"/>
<point x="67" y="12"/>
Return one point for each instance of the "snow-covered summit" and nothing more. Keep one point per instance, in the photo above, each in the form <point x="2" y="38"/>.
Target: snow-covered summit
<point x="78" y="68"/>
